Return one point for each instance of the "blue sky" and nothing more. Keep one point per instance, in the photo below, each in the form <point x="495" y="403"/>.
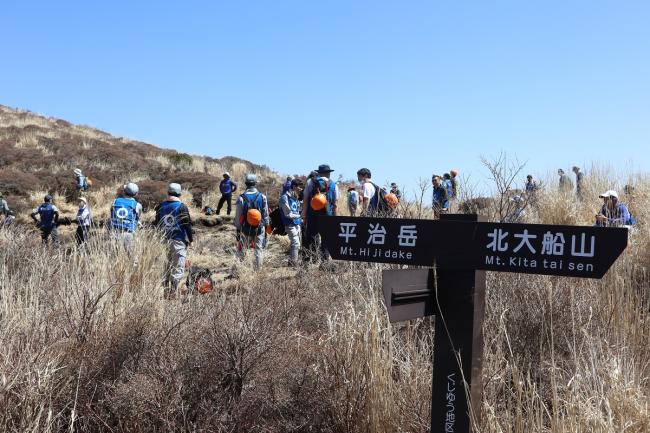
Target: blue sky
<point x="404" y="88"/>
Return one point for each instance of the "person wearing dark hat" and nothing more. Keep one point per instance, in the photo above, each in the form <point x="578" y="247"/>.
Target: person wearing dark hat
<point x="321" y="197"/>
<point x="395" y="190"/>
<point x="227" y="187"/>
<point x="48" y="219"/>
<point x="290" y="214"/>
<point x="173" y="220"/>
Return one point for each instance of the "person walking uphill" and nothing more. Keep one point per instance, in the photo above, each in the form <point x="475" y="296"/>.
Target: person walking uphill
<point x="227" y="187"/>
<point x="320" y="201"/>
<point x="290" y="213"/>
<point x="125" y="216"/>
<point x="174" y="221"/>
<point x="251" y="218"/>
<point x="48" y="219"/>
<point x="84" y="221"/>
<point x="81" y="182"/>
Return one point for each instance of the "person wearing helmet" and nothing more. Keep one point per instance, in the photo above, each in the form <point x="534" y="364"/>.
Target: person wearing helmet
<point x="290" y="214"/>
<point x="251" y="218"/>
<point x="322" y="186"/>
<point x="227" y="187"/>
<point x="84" y="221"/>
<point x="48" y="219"/>
<point x="174" y="221"/>
<point x="125" y="215"/>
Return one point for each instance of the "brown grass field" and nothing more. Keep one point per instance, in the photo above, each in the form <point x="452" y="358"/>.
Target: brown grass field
<point x="88" y="344"/>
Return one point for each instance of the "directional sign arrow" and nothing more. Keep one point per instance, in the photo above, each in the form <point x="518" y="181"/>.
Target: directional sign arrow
<point x="576" y="251"/>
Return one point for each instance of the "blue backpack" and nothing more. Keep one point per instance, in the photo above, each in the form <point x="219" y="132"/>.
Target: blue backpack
<point x="82" y="183"/>
<point x="123" y="214"/>
<point x="450" y="188"/>
<point x="169" y="222"/>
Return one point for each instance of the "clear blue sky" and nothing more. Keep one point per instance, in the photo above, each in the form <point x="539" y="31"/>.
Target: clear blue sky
<point x="404" y="88"/>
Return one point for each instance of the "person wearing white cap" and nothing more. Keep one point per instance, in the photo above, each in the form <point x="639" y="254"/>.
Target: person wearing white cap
<point x="81" y="183"/>
<point x="84" y="221"/>
<point x="613" y="213"/>
<point x="173" y="219"/>
<point x="227" y="188"/>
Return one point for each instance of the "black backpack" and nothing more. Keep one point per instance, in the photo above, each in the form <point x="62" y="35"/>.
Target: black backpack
<point x="381" y="206"/>
<point x="276" y="222"/>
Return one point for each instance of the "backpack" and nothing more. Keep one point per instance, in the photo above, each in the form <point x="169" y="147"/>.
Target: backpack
<point x="327" y="187"/>
<point x="256" y="202"/>
<point x="277" y="223"/>
<point x="199" y="280"/>
<point x="353" y="198"/>
<point x="450" y="188"/>
<point x="378" y="204"/>
<point x="82" y="183"/>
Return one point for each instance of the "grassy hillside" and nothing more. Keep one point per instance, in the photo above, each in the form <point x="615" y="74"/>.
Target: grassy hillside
<point x="38" y="155"/>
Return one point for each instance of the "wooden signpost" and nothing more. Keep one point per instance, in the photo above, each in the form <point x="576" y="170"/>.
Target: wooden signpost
<point x="455" y="252"/>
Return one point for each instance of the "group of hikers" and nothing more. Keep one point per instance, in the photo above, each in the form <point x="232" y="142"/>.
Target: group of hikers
<point x="301" y="204"/>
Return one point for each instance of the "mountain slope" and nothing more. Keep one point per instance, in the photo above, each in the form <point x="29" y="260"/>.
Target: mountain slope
<point x="38" y="154"/>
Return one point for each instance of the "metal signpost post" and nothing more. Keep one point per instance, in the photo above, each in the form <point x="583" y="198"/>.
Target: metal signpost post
<point x="456" y="250"/>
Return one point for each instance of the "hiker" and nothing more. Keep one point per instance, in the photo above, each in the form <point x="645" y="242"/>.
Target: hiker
<point x="290" y="213"/>
<point x="125" y="216"/>
<point x="353" y="200"/>
<point x="454" y="184"/>
<point x="251" y="217"/>
<point x="81" y="181"/>
<point x="227" y="188"/>
<point x="580" y="176"/>
<point x="613" y="213"/>
<point x="8" y="216"/>
<point x="4" y="207"/>
<point x="173" y="220"/>
<point x="440" y="202"/>
<point x="320" y="198"/>
<point x="449" y="186"/>
<point x="286" y="186"/>
<point x="565" y="183"/>
<point x="84" y="221"/>
<point x="48" y="219"/>
<point x="531" y="185"/>
<point x="395" y="190"/>
<point x="368" y="190"/>
<point x="516" y="212"/>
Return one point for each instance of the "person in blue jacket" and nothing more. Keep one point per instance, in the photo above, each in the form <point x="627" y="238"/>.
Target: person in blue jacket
<point x="174" y="221"/>
<point x="440" y="201"/>
<point x="125" y="216"/>
<point x="48" y="219"/>
<point x="614" y="213"/>
<point x="227" y="187"/>
<point x="290" y="214"/>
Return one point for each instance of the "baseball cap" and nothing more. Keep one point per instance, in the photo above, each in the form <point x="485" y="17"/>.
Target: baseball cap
<point x="610" y="193"/>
